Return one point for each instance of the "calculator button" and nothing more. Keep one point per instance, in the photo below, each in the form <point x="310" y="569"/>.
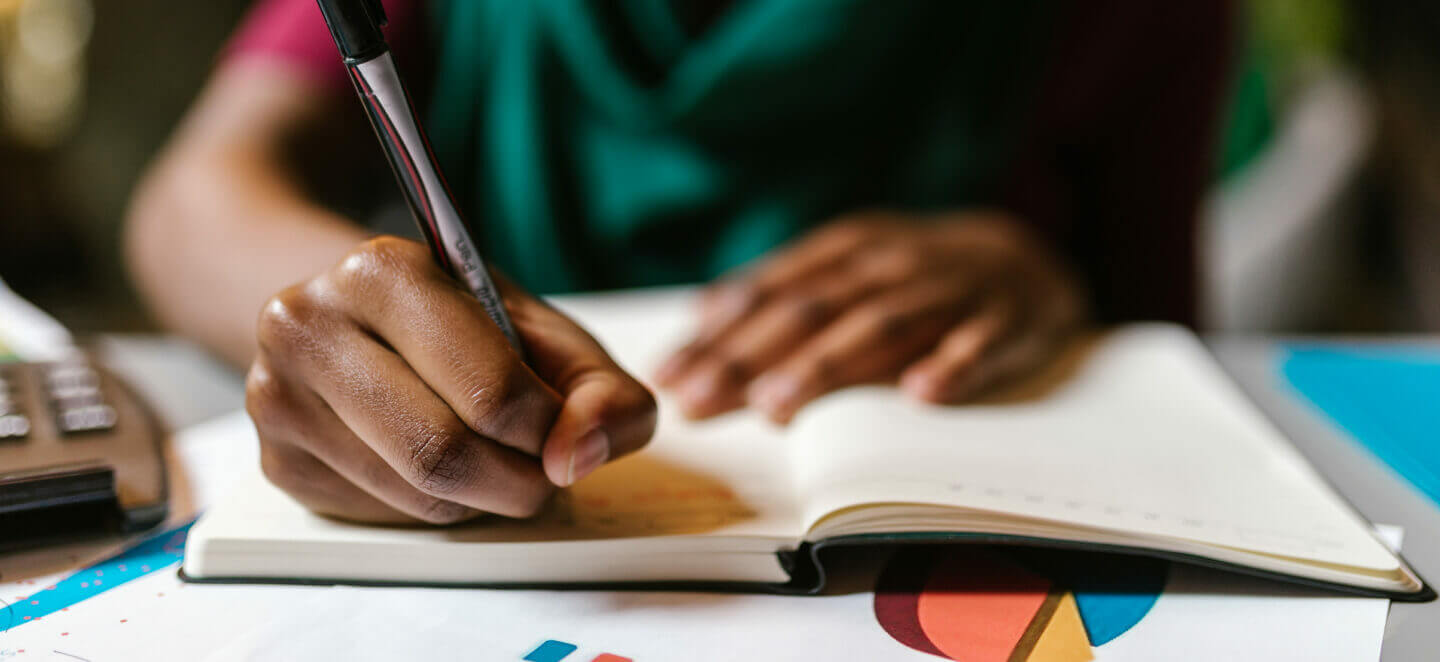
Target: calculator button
<point x="75" y="397"/>
<point x="87" y="418"/>
<point x="71" y="376"/>
<point x="14" y="426"/>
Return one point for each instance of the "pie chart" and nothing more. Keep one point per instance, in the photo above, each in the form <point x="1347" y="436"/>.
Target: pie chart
<point x="983" y="604"/>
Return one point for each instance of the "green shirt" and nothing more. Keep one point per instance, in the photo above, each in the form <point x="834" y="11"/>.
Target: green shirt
<point x="601" y="145"/>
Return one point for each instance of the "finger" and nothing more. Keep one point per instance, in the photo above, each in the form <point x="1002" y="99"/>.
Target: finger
<point x="606" y="413"/>
<point x="771" y="321"/>
<point x="603" y="419"/>
<point x="378" y="397"/>
<point x="823" y="251"/>
<point x="714" y="387"/>
<point x="977" y="353"/>
<point x="394" y="289"/>
<point x="347" y="456"/>
<point x="317" y="487"/>
<point x="711" y="372"/>
<point x="717" y="371"/>
<point x="870" y="343"/>
<point x="682" y="363"/>
<point x="292" y="415"/>
<point x="814" y="253"/>
<point x="1018" y="327"/>
<point x="831" y="244"/>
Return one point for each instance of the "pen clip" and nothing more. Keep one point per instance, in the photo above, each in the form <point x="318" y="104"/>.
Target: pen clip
<point x="376" y="10"/>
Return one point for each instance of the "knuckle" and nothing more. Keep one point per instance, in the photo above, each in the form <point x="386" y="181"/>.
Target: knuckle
<point x="441" y="460"/>
<point x="808" y="310"/>
<point x="288" y="321"/>
<point x="731" y="369"/>
<point x="496" y="401"/>
<point x="488" y="394"/>
<point x="879" y="323"/>
<point x="897" y="263"/>
<point x="375" y="263"/>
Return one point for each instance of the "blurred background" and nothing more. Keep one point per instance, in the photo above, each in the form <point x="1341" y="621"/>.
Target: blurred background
<point x="1324" y="214"/>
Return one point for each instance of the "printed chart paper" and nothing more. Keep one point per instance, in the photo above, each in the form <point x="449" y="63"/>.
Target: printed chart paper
<point x="1056" y="607"/>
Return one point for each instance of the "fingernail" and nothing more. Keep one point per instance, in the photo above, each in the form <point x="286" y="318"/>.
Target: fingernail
<point x="670" y="369"/>
<point x="590" y="452"/>
<point x="698" y="390"/>
<point x="914" y="383"/>
<point x="922" y="386"/>
<point x="772" y="392"/>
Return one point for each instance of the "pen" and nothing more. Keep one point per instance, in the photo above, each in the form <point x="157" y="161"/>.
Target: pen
<point x="355" y="25"/>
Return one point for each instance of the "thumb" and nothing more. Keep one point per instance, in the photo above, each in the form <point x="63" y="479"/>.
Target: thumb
<point x="606" y="413"/>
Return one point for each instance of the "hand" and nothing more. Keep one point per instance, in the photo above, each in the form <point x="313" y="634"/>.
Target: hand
<point x="383" y="393"/>
<point x="949" y="305"/>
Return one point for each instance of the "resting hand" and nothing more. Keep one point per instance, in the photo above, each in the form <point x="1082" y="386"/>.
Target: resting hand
<point x="950" y="305"/>
<point x="382" y="392"/>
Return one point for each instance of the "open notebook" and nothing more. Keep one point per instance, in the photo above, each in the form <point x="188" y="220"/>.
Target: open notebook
<point x="1135" y="440"/>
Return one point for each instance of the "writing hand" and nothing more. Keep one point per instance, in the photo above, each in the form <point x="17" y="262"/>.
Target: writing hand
<point x="382" y="392"/>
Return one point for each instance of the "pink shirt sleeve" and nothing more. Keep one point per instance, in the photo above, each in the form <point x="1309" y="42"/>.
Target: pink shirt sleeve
<point x="293" y="32"/>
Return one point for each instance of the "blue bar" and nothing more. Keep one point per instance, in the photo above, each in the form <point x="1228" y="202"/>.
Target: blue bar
<point x="550" y="651"/>
<point x="153" y="554"/>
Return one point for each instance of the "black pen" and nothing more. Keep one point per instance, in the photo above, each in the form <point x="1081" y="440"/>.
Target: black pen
<point x="355" y="24"/>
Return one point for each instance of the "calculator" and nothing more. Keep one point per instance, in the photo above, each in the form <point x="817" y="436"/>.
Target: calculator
<point x="80" y="454"/>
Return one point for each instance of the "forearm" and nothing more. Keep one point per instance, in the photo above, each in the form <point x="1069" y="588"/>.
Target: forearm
<point x="206" y="266"/>
<point x="220" y="223"/>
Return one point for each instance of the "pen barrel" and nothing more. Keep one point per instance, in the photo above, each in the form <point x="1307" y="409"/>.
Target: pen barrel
<point x="393" y="117"/>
